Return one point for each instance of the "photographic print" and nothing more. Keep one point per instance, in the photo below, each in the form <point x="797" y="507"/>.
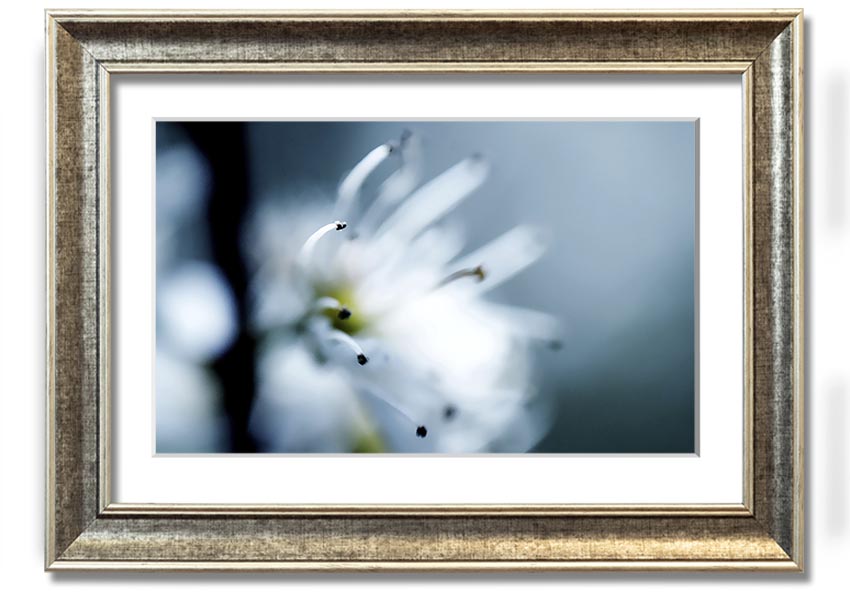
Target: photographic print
<point x="441" y="287"/>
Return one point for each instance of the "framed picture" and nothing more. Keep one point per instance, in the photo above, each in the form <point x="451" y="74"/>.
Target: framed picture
<point x="424" y="291"/>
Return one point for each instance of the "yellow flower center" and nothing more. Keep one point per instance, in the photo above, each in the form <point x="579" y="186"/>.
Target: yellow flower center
<point x="348" y="318"/>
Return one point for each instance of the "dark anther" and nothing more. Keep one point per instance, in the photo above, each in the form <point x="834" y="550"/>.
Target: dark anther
<point x="477" y="272"/>
<point x="421" y="431"/>
<point x="361" y="359"/>
<point x="449" y="412"/>
<point x="340" y="225"/>
<point x="343" y="313"/>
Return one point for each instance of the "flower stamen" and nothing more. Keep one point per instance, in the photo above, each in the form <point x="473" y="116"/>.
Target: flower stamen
<point x="376" y="394"/>
<point x="326" y="303"/>
<point x="335" y="335"/>
<point x="349" y="188"/>
<point x="398" y="185"/>
<point x="477" y="272"/>
<point x="305" y="254"/>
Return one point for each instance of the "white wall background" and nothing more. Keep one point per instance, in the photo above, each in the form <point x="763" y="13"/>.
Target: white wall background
<point x="22" y="351"/>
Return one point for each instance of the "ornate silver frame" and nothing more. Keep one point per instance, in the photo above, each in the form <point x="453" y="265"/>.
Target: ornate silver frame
<point x="86" y="530"/>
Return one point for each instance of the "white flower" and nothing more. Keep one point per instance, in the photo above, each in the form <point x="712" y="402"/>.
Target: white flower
<point x="377" y="331"/>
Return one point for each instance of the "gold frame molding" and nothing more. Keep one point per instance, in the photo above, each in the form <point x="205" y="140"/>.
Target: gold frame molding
<point x="87" y="531"/>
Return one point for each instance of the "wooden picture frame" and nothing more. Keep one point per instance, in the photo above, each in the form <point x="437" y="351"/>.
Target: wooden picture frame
<point x="87" y="530"/>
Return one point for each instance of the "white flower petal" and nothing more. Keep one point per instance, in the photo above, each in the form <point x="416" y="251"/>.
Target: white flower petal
<point x="526" y="323"/>
<point x="434" y="200"/>
<point x="409" y="270"/>
<point x="302" y="406"/>
<point x="504" y="257"/>
<point x="453" y="337"/>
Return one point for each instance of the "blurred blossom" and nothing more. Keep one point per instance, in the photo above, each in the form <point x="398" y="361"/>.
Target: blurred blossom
<point x="182" y="184"/>
<point x="377" y="333"/>
<point x="182" y="190"/>
<point x="320" y="407"/>
<point x="196" y="311"/>
<point x="187" y="414"/>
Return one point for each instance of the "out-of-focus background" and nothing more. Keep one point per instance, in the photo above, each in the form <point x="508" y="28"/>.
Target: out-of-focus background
<point x="616" y="202"/>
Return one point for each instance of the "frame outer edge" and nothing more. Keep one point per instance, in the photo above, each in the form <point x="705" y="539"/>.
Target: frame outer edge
<point x="429" y="566"/>
<point x="778" y="359"/>
<point x="49" y="441"/>
<point x="74" y="299"/>
<point x="799" y="318"/>
<point x="111" y="15"/>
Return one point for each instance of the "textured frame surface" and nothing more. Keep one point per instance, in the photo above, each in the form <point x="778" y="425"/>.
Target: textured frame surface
<point x="86" y="530"/>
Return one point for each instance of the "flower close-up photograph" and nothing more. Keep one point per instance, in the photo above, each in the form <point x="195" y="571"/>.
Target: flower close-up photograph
<point x="434" y="286"/>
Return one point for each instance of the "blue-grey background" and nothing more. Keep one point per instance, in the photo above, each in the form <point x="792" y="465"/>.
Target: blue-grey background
<point x="617" y="200"/>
